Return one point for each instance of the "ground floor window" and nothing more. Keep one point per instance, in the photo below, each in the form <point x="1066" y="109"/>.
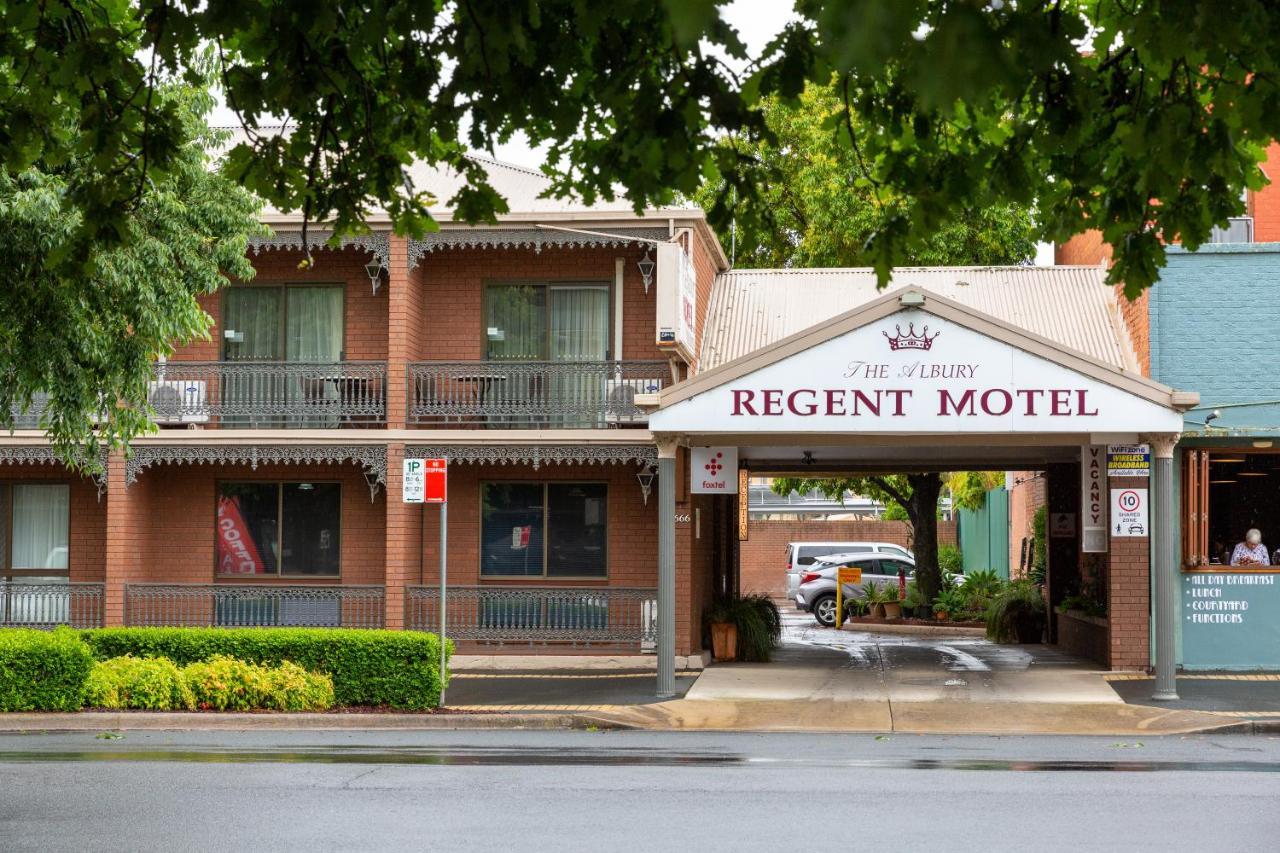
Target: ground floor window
<point x="279" y="529"/>
<point x="543" y="530"/>
<point x="1231" y="502"/>
<point x="36" y="519"/>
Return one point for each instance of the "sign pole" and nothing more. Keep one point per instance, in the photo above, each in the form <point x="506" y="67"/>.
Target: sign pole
<point x="444" y="599"/>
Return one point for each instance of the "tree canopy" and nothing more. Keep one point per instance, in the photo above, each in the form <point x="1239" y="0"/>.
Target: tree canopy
<point x="1142" y="118"/>
<point x="82" y="322"/>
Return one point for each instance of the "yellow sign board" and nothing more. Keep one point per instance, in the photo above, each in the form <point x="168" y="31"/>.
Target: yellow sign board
<point x="844" y="575"/>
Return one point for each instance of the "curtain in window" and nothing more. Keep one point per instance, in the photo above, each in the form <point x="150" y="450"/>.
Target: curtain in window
<point x="253" y="321"/>
<point x="41" y="518"/>
<point x="516" y="323"/>
<point x="313" y="333"/>
<point x="579" y="333"/>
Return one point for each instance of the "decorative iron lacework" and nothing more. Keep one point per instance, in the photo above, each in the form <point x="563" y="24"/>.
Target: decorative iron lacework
<point x="525" y="238"/>
<point x="537" y="454"/>
<point x="37" y="455"/>
<point x="377" y="243"/>
<point x="372" y="457"/>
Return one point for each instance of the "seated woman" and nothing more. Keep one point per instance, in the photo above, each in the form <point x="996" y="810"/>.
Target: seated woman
<point x="1251" y="552"/>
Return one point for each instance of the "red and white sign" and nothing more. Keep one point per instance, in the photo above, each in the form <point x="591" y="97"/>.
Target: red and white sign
<point x="1093" y="482"/>
<point x="713" y="470"/>
<point x="520" y="537"/>
<point x="1129" y="515"/>
<point x="237" y="553"/>
<point x="916" y="373"/>
<point x="677" y="300"/>
<point x="436" y="477"/>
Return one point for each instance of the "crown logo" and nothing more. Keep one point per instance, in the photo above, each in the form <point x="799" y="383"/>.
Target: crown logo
<point x="911" y="340"/>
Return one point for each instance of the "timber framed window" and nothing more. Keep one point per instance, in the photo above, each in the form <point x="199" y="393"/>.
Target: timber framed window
<point x="278" y="529"/>
<point x="35" y="519"/>
<point x="544" y="530"/>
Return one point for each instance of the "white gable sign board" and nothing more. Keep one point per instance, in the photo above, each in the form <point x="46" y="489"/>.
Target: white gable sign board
<point x="915" y="372"/>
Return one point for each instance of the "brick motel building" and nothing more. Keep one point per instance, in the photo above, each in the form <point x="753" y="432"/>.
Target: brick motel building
<point x="571" y="363"/>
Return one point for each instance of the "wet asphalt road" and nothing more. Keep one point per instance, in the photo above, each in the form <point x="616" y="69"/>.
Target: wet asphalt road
<point x="621" y="791"/>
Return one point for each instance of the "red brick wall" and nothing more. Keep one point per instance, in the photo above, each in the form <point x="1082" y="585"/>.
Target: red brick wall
<point x="1265" y="203"/>
<point x="167" y="531"/>
<point x="452" y="286"/>
<point x="1084" y="249"/>
<point x="704" y="262"/>
<point x="762" y="564"/>
<point x="1027" y="496"/>
<point x="1129" y="593"/>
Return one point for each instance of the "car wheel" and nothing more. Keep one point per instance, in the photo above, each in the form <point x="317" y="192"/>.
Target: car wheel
<point x="824" y="610"/>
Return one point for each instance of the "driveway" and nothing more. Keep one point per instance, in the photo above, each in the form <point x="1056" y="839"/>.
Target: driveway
<point x="817" y="663"/>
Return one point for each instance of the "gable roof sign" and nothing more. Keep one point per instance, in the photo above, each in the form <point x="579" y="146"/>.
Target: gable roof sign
<point x="914" y="362"/>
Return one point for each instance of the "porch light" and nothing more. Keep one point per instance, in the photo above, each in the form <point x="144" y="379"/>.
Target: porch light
<point x="645" y="265"/>
<point x="645" y="477"/>
<point x="374" y="270"/>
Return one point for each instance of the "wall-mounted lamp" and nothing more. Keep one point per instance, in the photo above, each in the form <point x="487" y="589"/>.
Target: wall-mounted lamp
<point x="808" y="459"/>
<point x="645" y="477"/>
<point x="646" y="265"/>
<point x="374" y="270"/>
<point x="1212" y="416"/>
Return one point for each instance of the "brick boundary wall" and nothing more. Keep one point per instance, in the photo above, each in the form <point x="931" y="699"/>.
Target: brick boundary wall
<point x="762" y="563"/>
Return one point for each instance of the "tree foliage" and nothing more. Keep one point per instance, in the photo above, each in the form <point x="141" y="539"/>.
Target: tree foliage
<point x="1143" y="118"/>
<point x="825" y="208"/>
<point x="969" y="489"/>
<point x="81" y="322"/>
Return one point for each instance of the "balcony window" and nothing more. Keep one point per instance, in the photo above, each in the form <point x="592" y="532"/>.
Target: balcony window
<point x="36" y="535"/>
<point x="554" y="322"/>
<point x="282" y="529"/>
<point x="553" y="530"/>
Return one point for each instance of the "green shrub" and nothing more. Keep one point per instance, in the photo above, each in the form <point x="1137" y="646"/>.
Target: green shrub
<point x="226" y="684"/>
<point x="1039" y="546"/>
<point x="399" y="669"/>
<point x="950" y="601"/>
<point x="950" y="559"/>
<point x="153" y="684"/>
<point x="42" y="670"/>
<point x="1017" y="614"/>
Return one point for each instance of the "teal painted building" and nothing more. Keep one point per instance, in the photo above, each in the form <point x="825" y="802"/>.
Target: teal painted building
<point x="1215" y="329"/>
<point x="983" y="534"/>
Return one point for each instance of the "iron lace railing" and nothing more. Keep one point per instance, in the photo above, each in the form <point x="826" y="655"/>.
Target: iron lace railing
<point x="254" y="606"/>
<point x="270" y="394"/>
<point x="532" y="394"/>
<point x="48" y="605"/>
<point x="613" y="616"/>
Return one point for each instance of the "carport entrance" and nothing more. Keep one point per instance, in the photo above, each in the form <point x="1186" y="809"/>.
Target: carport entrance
<point x="913" y="381"/>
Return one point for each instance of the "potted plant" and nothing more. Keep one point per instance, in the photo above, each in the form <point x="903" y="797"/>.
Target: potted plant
<point x="1017" y="614"/>
<point x="892" y="606"/>
<point x="743" y="628"/>
<point x="874" y="596"/>
<point x="948" y="604"/>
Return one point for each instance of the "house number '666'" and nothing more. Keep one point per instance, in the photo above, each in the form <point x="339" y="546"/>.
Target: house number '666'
<point x="682" y="519"/>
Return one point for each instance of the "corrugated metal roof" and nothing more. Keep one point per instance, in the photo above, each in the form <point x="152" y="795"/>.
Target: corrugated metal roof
<point x="1072" y="306"/>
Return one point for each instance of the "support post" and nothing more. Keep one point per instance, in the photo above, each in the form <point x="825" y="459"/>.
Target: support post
<point x="1165" y="568"/>
<point x="666" y="567"/>
<point x="444" y="597"/>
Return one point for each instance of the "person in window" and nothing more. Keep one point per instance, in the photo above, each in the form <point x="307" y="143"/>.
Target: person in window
<point x="1251" y="552"/>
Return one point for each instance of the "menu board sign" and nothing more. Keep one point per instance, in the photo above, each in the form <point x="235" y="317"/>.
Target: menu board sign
<point x="1231" y="619"/>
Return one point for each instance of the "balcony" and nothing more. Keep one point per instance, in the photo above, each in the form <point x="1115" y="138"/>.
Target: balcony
<point x="532" y="394"/>
<point x="44" y="604"/>
<point x="1239" y="229"/>
<point x="254" y="606"/>
<point x="270" y="394"/>
<point x="596" y="616"/>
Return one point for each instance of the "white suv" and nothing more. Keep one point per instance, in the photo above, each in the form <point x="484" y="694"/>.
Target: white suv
<point x="802" y="555"/>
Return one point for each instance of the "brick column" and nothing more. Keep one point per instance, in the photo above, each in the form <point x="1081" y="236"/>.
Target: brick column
<point x="119" y="548"/>
<point x="1129" y="588"/>
<point x="404" y="538"/>
<point x="400" y="331"/>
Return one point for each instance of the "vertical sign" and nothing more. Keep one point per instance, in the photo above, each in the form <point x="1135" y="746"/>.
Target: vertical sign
<point x="744" y="510"/>
<point x="1093" y="509"/>
<point x="677" y="300"/>
<point x="413" y="482"/>
<point x="435" y="476"/>
<point x="713" y="470"/>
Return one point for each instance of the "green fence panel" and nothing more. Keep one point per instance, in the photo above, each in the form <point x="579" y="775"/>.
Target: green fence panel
<point x="984" y="534"/>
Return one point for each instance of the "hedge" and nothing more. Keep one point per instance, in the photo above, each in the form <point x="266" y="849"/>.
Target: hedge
<point x="399" y="669"/>
<point x="42" y="670"/>
<point x="150" y="684"/>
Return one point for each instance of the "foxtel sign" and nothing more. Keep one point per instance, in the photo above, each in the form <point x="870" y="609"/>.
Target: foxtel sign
<point x="915" y="372"/>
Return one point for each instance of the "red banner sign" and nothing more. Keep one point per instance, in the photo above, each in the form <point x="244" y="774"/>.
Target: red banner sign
<point x="237" y="554"/>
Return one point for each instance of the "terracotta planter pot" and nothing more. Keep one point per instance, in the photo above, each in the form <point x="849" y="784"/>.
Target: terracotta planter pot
<point x="940" y="615"/>
<point x="724" y="641"/>
<point x="876" y="611"/>
<point x="892" y="610"/>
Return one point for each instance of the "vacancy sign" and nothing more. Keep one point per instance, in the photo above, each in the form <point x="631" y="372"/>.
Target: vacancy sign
<point x="425" y="481"/>
<point x="713" y="470"/>
<point x="1093" y="515"/>
<point x="1129" y="516"/>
